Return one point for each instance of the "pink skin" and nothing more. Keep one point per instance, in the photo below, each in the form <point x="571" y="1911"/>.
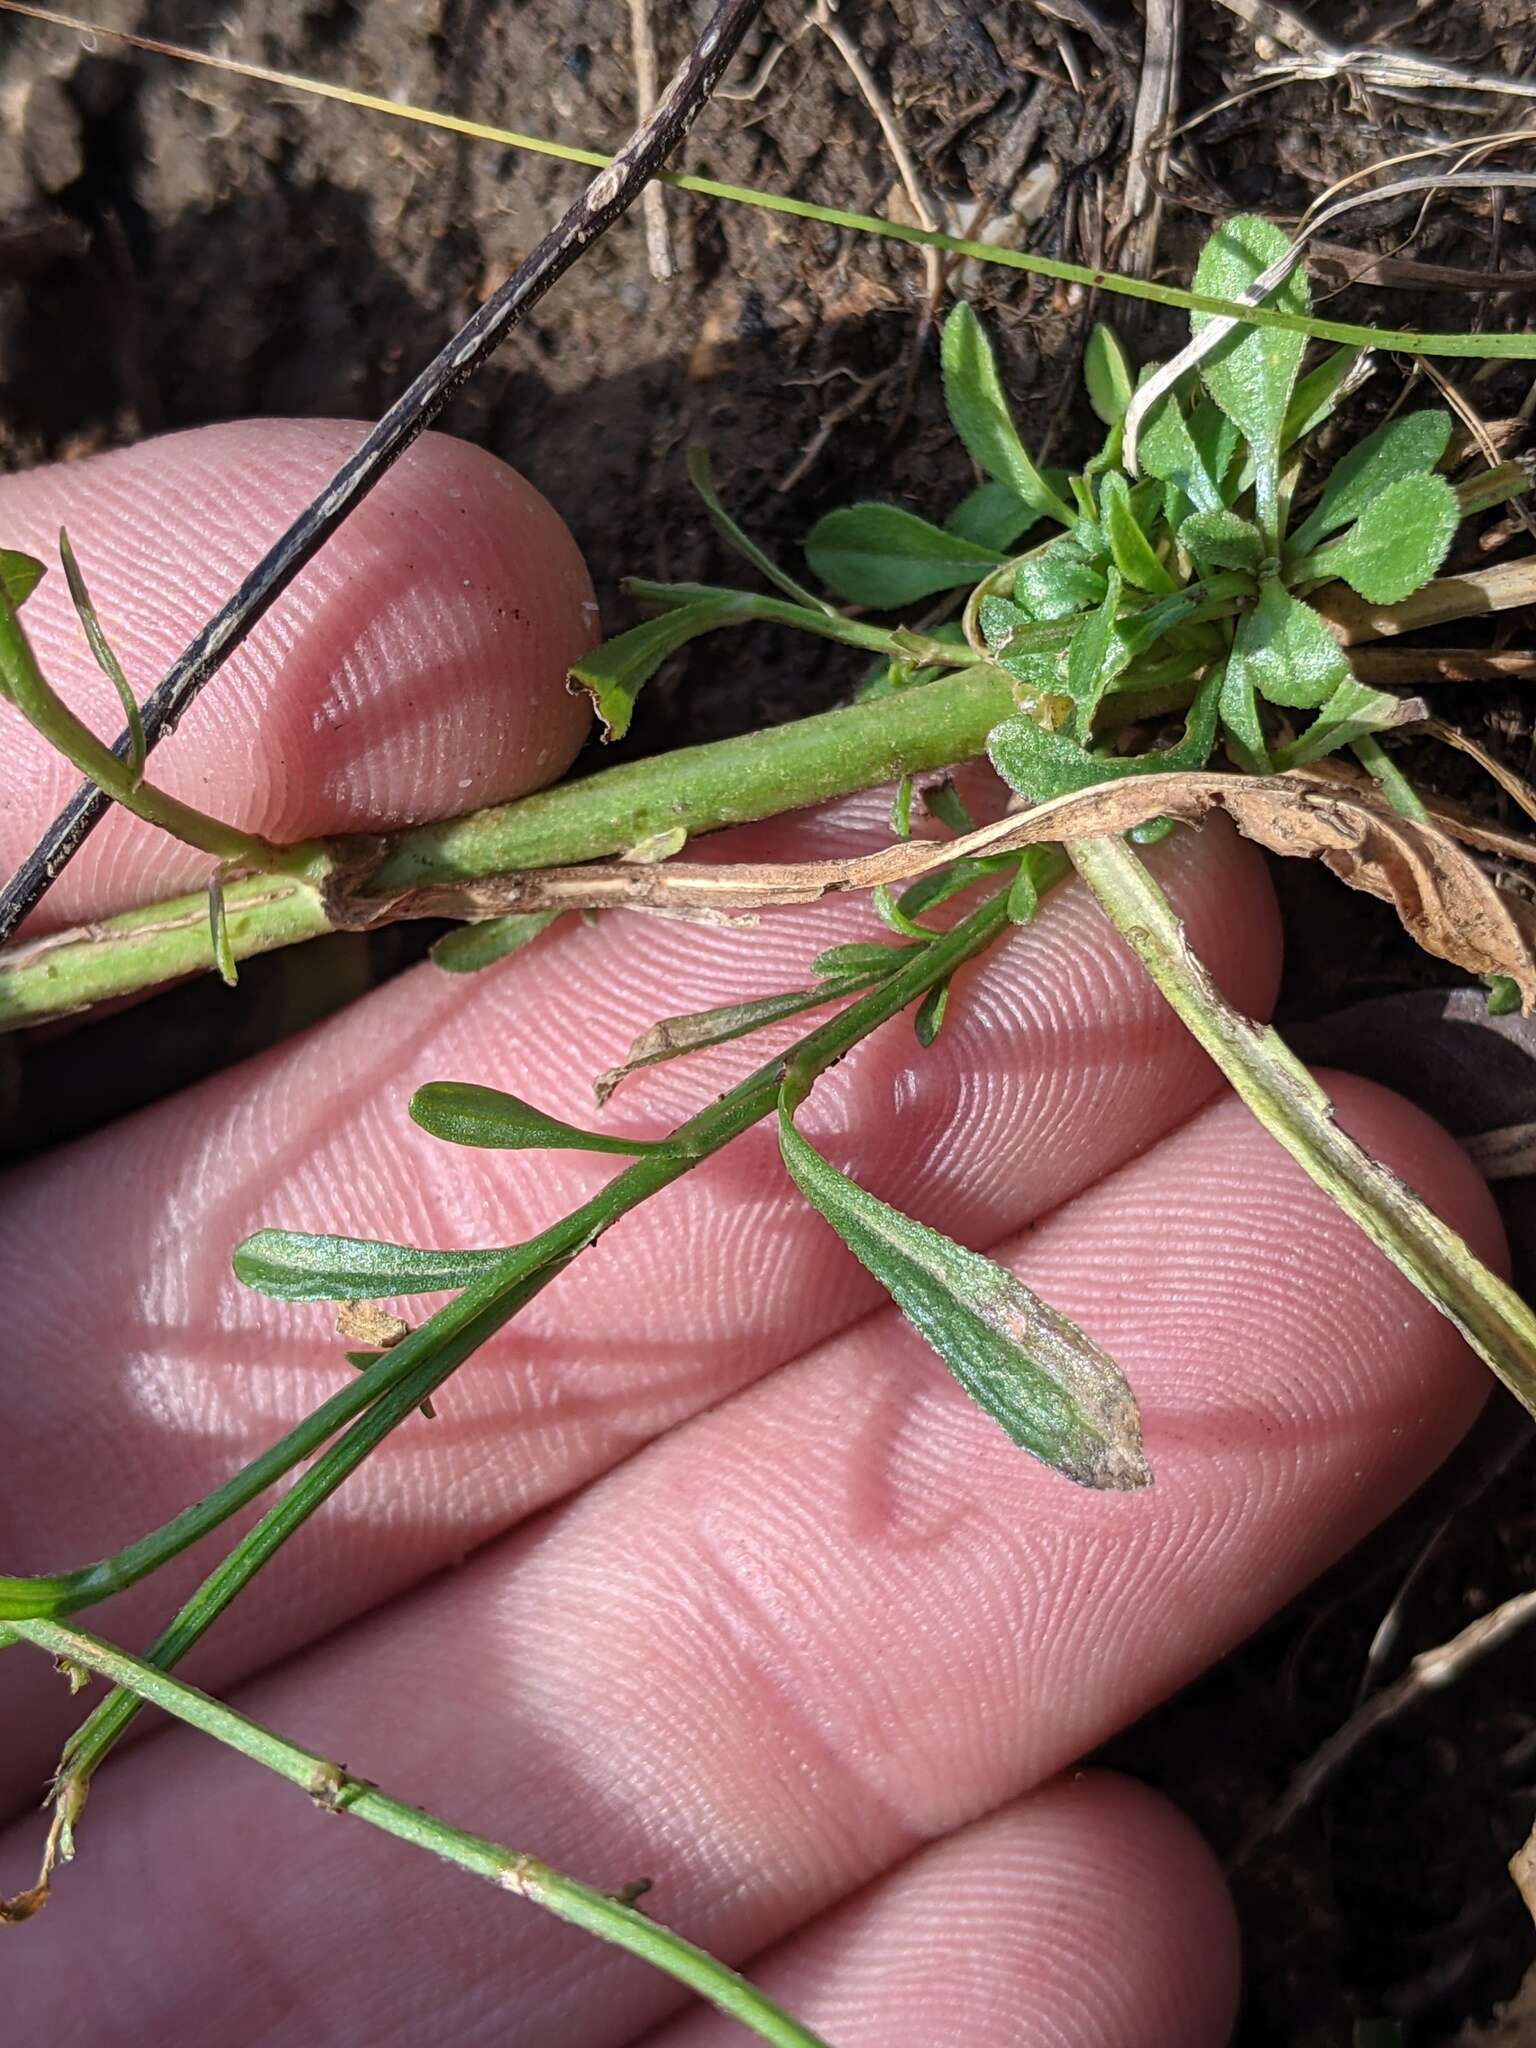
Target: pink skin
<point x="803" y="1619"/>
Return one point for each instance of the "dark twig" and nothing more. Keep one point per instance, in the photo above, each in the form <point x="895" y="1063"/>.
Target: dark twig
<point x="610" y="193"/>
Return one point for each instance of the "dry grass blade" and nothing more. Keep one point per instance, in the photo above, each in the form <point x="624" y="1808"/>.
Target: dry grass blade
<point x="1506" y="778"/>
<point x="1147" y="171"/>
<point x="1446" y="902"/>
<point x="1430" y="1671"/>
<point x="1391" y="71"/>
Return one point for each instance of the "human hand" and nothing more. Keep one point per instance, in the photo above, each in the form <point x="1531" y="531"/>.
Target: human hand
<point x="759" y="1606"/>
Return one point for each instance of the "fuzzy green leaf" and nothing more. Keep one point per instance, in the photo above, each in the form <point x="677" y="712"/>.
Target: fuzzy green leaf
<point x="1132" y="552"/>
<point x="1283" y="648"/>
<point x="1221" y="540"/>
<point x="992" y="515"/>
<point x="1396" y="545"/>
<point x="19" y="575"/>
<point x="1107" y="374"/>
<point x="463" y="1113"/>
<point x="1410" y="445"/>
<point x="1241" y="719"/>
<point x="880" y="556"/>
<point x="1057" y="582"/>
<point x="1168" y="452"/>
<point x="474" y="946"/>
<point x="1034" y="1372"/>
<point x="1353" y="711"/>
<point x="1096" y="657"/>
<point x="937" y="887"/>
<point x="615" y="673"/>
<point x="973" y="392"/>
<point x="869" y="957"/>
<point x="1251" y="373"/>
<point x="1040" y="764"/>
<point x="943" y="801"/>
<point x="297" y="1265"/>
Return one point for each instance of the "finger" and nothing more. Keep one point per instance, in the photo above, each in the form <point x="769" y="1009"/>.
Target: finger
<point x="414" y="670"/>
<point x="835" y="1618"/>
<point x="1089" y="1915"/>
<point x="1060" y="1063"/>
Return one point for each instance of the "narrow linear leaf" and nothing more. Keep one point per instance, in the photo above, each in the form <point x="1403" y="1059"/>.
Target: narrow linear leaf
<point x="867" y="957"/>
<point x="298" y="1265"/>
<point x="1410" y="445"/>
<point x="930" y="890"/>
<point x="464" y="1113"/>
<point x="1293" y="1108"/>
<point x="1241" y="719"/>
<point x="701" y="477"/>
<point x="1107" y="374"/>
<point x="1396" y="788"/>
<point x="943" y="802"/>
<point x="881" y="556"/>
<point x="901" y="809"/>
<point x="1050" y="1387"/>
<point x="1318" y="392"/>
<point x="1132" y="552"/>
<point x="973" y="392"/>
<point x="673" y="1038"/>
<point x="1396" y="545"/>
<point x="1040" y="868"/>
<point x="931" y="1012"/>
<point x="474" y="946"/>
<point x="1353" y="711"/>
<point x="218" y="930"/>
<point x="891" y="914"/>
<point x="106" y="660"/>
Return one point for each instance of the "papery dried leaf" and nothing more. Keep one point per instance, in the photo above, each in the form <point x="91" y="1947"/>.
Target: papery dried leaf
<point x="1446" y="902"/>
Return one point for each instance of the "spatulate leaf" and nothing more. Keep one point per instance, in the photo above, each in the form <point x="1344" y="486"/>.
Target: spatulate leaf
<point x="1033" y="1371"/>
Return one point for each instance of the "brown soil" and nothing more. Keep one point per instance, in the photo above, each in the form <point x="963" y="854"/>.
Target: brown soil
<point x="183" y="247"/>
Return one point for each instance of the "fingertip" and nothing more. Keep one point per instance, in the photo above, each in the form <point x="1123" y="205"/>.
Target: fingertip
<point x="1088" y="1915"/>
<point x="415" y="669"/>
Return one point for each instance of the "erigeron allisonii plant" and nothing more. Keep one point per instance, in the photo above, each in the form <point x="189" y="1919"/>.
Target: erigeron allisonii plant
<point x="1165" y="644"/>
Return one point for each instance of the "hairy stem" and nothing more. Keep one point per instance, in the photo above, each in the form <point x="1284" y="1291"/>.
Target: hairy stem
<point x="336" y="1790"/>
<point x="729" y="782"/>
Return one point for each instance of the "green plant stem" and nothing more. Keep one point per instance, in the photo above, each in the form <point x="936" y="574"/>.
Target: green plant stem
<point x="22" y="681"/>
<point x="899" y="642"/>
<point x="1288" y="1102"/>
<point x="728" y="782"/>
<point x="1407" y="341"/>
<point x="421" y="1362"/>
<point x="336" y="1790"/>
<point x="701" y="789"/>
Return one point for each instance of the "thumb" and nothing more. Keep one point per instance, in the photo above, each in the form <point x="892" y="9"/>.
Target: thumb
<point x="415" y="669"/>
